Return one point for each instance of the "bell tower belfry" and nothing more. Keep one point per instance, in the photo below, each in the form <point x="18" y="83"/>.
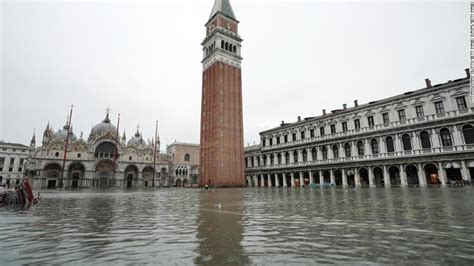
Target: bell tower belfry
<point x="222" y="147"/>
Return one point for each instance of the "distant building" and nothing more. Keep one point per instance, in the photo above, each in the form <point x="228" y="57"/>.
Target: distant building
<point x="184" y="163"/>
<point x="13" y="159"/>
<point x="419" y="138"/>
<point x="102" y="160"/>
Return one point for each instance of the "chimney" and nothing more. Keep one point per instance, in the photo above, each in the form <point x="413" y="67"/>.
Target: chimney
<point x="324" y="111"/>
<point x="282" y="122"/>
<point x="299" y="118"/>
<point x="344" y="106"/>
<point x="356" y="103"/>
<point x="428" y="83"/>
<point x="468" y="73"/>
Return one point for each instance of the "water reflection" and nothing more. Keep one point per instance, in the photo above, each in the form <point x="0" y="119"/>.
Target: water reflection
<point x="219" y="229"/>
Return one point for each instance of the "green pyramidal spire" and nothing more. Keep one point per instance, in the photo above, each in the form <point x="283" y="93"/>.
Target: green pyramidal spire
<point x="224" y="7"/>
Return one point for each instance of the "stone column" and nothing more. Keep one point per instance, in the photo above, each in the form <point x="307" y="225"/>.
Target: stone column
<point x="255" y="181"/>
<point x="284" y="181"/>
<point x="421" y="176"/>
<point x="301" y="179"/>
<point x="357" y="178"/>
<point x="333" y="178"/>
<point x="330" y="152"/>
<point x="344" y="178"/>
<point x="300" y="156"/>
<point x="283" y="158"/>
<point x="403" y="176"/>
<point x="371" y="177"/>
<point x="386" y="177"/>
<point x="311" y="181"/>
<point x="277" y="182"/>
<point x="270" y="183"/>
<point x="262" y="180"/>
<point x="367" y="147"/>
<point x="435" y="139"/>
<point x="397" y="143"/>
<point x="321" y="178"/>
<point x="310" y="155"/>
<point x="442" y="174"/>
<point x="466" y="175"/>
<point x="292" y="159"/>
<point x="382" y="146"/>
<point x="355" y="151"/>
<point x="457" y="138"/>
<point x="292" y="179"/>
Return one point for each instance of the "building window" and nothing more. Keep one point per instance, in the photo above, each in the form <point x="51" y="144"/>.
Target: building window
<point x="446" y="140"/>
<point x="314" y="153"/>
<point x="425" y="140"/>
<point x="78" y="155"/>
<point x="287" y="157"/>
<point x="321" y="130"/>
<point x="311" y="133"/>
<point x="467" y="131"/>
<point x="406" y="141"/>
<point x="461" y="101"/>
<point x="385" y="118"/>
<point x="333" y="129"/>
<point x="344" y="126"/>
<point x="389" y="144"/>
<point x="360" y="147"/>
<point x="347" y="149"/>
<point x="305" y="155"/>
<point x="56" y="154"/>
<point x="324" y="150"/>
<point x="286" y="138"/>
<point x="278" y="140"/>
<point x="302" y="134"/>
<point x="20" y="169"/>
<point x="419" y="111"/>
<point x="357" y="124"/>
<point x="375" y="146"/>
<point x="264" y="160"/>
<point x="187" y="157"/>
<point x="130" y="158"/>
<point x="295" y="156"/>
<point x="279" y="158"/>
<point x="271" y="141"/>
<point x="272" y="159"/>
<point x="370" y="120"/>
<point x="294" y="136"/>
<point x="335" y="151"/>
<point x="10" y="169"/>
<point x="439" y="107"/>
<point x="401" y="115"/>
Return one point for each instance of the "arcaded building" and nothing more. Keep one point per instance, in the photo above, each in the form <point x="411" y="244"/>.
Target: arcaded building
<point x="13" y="160"/>
<point x="184" y="163"/>
<point x="222" y="152"/>
<point x="422" y="137"/>
<point x="103" y="160"/>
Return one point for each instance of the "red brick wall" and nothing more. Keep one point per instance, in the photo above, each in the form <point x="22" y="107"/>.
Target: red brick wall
<point x="231" y="172"/>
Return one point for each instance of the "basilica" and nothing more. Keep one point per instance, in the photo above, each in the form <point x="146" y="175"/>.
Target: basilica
<point x="103" y="160"/>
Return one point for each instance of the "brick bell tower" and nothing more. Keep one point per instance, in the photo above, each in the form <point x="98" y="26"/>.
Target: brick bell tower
<point x="222" y="144"/>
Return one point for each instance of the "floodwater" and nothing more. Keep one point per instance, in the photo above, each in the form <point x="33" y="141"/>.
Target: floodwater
<point x="243" y="226"/>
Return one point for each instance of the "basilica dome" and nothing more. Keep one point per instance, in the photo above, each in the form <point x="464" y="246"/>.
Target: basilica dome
<point x="136" y="140"/>
<point x="103" y="128"/>
<point x="62" y="134"/>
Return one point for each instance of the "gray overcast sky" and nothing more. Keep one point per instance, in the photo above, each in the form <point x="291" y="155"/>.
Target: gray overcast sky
<point x="143" y="60"/>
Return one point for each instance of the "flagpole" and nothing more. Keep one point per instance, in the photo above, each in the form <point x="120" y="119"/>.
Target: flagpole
<point x="65" y="146"/>
<point x="154" y="154"/>
<point x="116" y="145"/>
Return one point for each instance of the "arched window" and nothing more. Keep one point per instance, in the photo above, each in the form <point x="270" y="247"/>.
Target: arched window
<point x="406" y="140"/>
<point x="287" y="157"/>
<point x="374" y="144"/>
<point x="234" y="49"/>
<point x="305" y="155"/>
<point x="279" y="158"/>
<point x="335" y="151"/>
<point x="360" y="148"/>
<point x="264" y="160"/>
<point x="187" y="157"/>
<point x="295" y="156"/>
<point x="324" y="150"/>
<point x="222" y="44"/>
<point x="314" y="153"/>
<point x="272" y="158"/>
<point x="227" y="46"/>
<point x="389" y="144"/>
<point x="446" y="140"/>
<point x="425" y="140"/>
<point x="468" y="132"/>
<point x="347" y="149"/>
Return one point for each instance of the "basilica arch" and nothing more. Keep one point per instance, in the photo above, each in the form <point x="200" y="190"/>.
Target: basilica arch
<point x="131" y="176"/>
<point x="76" y="173"/>
<point x="52" y="172"/>
<point x="104" y="174"/>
